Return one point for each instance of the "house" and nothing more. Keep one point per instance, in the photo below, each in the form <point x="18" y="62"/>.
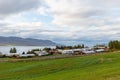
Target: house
<point x="99" y="50"/>
<point x="77" y="51"/>
<point x="53" y="51"/>
<point x="106" y="49"/>
<point x="41" y="53"/>
<point x="22" y="55"/>
<point x="60" y="51"/>
<point x="12" y="54"/>
<point x="26" y="55"/>
<point x="30" y="55"/>
<point x="88" y="50"/>
<point x="67" y="52"/>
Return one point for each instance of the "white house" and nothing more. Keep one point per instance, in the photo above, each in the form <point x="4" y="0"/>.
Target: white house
<point x="60" y="50"/>
<point x="100" y="50"/>
<point x="41" y="53"/>
<point x="26" y="55"/>
<point x="67" y="52"/>
<point x="88" y="51"/>
<point x="12" y="54"/>
<point x="77" y="50"/>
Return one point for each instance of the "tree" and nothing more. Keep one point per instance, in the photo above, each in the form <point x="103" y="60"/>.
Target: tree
<point x="83" y="46"/>
<point x="13" y="50"/>
<point x="114" y="45"/>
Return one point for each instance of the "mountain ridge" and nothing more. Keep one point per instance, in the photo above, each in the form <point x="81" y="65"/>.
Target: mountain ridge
<point x="18" y="41"/>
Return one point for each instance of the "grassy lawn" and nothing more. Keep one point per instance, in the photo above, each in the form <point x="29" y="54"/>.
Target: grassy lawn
<point x="93" y="67"/>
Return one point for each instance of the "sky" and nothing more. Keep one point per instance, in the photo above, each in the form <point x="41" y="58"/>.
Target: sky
<point x="62" y="21"/>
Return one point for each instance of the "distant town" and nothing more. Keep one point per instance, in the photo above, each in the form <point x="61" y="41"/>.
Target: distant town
<point x="64" y="50"/>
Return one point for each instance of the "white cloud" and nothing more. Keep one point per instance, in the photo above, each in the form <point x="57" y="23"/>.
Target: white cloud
<point x="92" y="18"/>
<point x="73" y="20"/>
<point x="10" y="7"/>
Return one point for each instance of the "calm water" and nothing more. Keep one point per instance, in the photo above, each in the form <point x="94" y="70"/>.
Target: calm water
<point x="20" y="49"/>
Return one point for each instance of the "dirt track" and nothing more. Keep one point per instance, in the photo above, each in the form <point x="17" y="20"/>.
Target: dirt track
<point x="37" y="58"/>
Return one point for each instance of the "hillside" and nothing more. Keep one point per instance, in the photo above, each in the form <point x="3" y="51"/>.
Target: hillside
<point x="24" y="41"/>
<point x="92" y="67"/>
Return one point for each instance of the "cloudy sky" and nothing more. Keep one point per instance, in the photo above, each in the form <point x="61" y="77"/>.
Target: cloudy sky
<point x="62" y="21"/>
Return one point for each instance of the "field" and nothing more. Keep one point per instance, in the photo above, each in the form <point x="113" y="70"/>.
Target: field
<point x="93" y="67"/>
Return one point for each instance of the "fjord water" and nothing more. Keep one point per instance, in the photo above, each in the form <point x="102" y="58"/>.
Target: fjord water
<point x="20" y="49"/>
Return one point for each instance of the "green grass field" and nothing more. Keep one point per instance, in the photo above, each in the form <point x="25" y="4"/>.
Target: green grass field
<point x="92" y="67"/>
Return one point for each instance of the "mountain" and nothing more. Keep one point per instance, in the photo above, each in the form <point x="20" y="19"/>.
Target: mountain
<point x="4" y="41"/>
